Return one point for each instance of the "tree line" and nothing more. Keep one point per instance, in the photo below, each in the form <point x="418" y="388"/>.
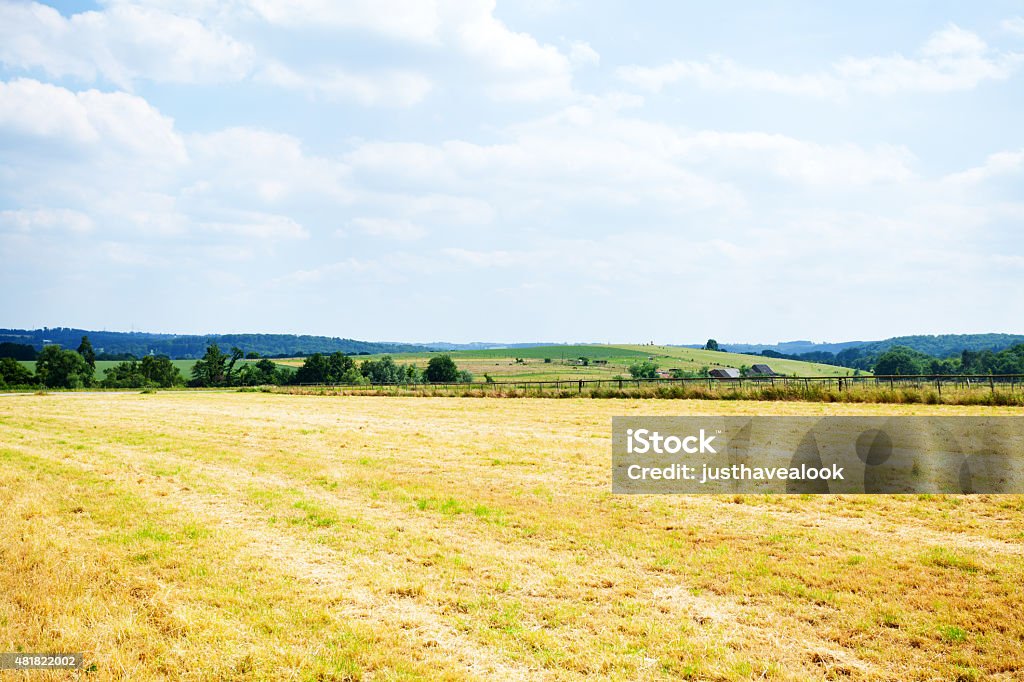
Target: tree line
<point x="121" y="345"/>
<point x="63" y="368"/>
<point x="904" y="361"/>
<point x="217" y="368"/>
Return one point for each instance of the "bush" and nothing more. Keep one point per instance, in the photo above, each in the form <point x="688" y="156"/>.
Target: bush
<point x="644" y="370"/>
<point x="13" y="373"/>
<point x="441" y="370"/>
<point x="58" y="368"/>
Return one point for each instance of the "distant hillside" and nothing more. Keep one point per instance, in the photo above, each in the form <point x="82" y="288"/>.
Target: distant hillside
<point x="182" y="346"/>
<point x="482" y="345"/>
<point x="942" y="346"/>
<point x="948" y="345"/>
<point x="787" y="347"/>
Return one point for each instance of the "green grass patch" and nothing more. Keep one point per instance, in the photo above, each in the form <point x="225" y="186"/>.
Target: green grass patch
<point x="946" y="558"/>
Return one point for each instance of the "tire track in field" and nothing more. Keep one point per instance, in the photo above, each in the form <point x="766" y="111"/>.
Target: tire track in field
<point x="323" y="569"/>
<point x="326" y="568"/>
<point x="329" y="569"/>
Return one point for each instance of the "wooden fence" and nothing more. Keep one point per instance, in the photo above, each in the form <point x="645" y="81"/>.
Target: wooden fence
<point x="919" y="381"/>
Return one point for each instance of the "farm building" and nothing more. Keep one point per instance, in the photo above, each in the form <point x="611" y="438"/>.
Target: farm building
<point x="664" y="374"/>
<point x="725" y="373"/>
<point x="762" y="371"/>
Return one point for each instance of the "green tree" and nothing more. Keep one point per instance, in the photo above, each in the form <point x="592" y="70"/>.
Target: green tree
<point x="124" y="375"/>
<point x="87" y="353"/>
<point x="158" y="370"/>
<point x="212" y="368"/>
<point x="383" y="371"/>
<point x="336" y="368"/>
<point x="314" y="370"/>
<point x="59" y="368"/>
<point x="263" y="373"/>
<point x="644" y="370"/>
<point x="441" y="370"/>
<point x="341" y="369"/>
<point x="236" y="355"/>
<point x="13" y="373"/>
<point x="901" y="360"/>
<point x="711" y="345"/>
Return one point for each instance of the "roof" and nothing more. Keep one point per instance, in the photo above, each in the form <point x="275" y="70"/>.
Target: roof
<point x="725" y="373"/>
<point x="762" y="369"/>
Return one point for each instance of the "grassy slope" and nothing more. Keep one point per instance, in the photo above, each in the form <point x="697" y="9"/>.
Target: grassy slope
<point x="695" y="359"/>
<point x="252" y="537"/>
<point x="500" y="363"/>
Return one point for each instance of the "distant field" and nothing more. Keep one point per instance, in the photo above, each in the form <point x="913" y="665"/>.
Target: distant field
<point x="692" y="358"/>
<point x="500" y="363"/>
<point x="248" y="536"/>
<point x="103" y="365"/>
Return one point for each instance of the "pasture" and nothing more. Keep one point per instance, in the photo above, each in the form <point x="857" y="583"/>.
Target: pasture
<point x="262" y="536"/>
<point x="185" y="366"/>
<point x="502" y="364"/>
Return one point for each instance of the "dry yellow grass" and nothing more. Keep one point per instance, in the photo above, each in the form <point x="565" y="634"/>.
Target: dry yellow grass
<point x="254" y="536"/>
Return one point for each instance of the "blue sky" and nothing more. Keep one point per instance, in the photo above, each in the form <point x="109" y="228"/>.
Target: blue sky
<point x="540" y="170"/>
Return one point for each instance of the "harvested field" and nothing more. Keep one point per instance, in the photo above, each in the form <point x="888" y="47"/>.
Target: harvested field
<point x="261" y="536"/>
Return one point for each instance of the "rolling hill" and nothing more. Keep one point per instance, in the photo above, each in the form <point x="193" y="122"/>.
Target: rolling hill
<point x="605" y="361"/>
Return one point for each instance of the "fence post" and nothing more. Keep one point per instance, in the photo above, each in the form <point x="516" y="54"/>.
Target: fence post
<point x="581" y="386"/>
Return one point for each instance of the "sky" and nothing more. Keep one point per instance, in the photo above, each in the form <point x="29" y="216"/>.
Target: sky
<point x="540" y="170"/>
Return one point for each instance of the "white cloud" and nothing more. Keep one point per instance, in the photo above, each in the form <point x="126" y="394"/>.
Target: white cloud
<point x="997" y="164"/>
<point x="1014" y="25"/>
<point x="250" y="164"/>
<point x="126" y="43"/>
<point x="397" y="268"/>
<point x="192" y="42"/>
<point x="401" y="230"/>
<point x="718" y="73"/>
<point x="497" y="258"/>
<point x="124" y="123"/>
<point x="951" y="59"/>
<point x="122" y="44"/>
<point x="799" y="161"/>
<point x="413" y="20"/>
<point x="524" y="68"/>
<point x="585" y="157"/>
<point x="259" y="226"/>
<point x="28" y="220"/>
<point x="582" y="54"/>
<point x="393" y="88"/>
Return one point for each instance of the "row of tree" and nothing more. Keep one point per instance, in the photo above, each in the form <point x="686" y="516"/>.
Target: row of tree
<point x="905" y="361"/>
<point x="60" y="368"/>
<point x="55" y="368"/>
<point x="217" y="368"/>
